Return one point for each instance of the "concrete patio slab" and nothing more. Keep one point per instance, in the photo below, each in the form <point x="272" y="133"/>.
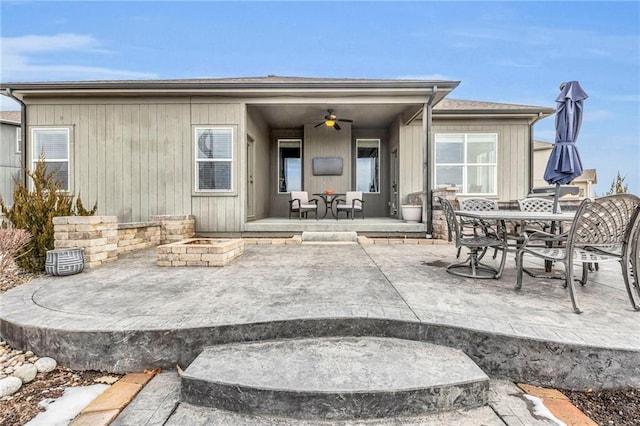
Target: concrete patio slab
<point x="131" y="314"/>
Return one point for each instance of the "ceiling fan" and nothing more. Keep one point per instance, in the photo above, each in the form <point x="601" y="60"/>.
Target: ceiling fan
<point x="331" y="120"/>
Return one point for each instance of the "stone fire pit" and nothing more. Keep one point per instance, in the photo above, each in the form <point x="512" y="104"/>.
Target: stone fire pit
<point x="200" y="252"/>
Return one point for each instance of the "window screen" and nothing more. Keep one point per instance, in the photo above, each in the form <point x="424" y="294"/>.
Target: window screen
<point x="214" y="159"/>
<point x="52" y="146"/>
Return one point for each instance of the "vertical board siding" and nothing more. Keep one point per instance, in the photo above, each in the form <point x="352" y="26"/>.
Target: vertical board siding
<point x="513" y="151"/>
<point x="219" y="212"/>
<point x="327" y="142"/>
<point x="10" y="161"/>
<point x="410" y="158"/>
<point x="264" y="190"/>
<point x="130" y="158"/>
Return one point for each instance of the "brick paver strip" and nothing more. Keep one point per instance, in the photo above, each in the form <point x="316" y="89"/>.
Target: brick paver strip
<point x="544" y="393"/>
<point x="96" y="418"/>
<point x="559" y="405"/>
<point x="119" y="394"/>
<point x="137" y="378"/>
<point x="568" y="413"/>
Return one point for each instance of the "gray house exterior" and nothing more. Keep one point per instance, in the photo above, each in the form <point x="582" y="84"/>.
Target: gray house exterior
<point x="228" y="151"/>
<point x="11" y="149"/>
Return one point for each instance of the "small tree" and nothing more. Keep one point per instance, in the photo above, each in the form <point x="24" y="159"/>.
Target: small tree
<point x="618" y="186"/>
<point x="34" y="211"/>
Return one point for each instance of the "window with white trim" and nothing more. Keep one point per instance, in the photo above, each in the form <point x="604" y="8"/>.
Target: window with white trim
<point x="18" y="139"/>
<point x="467" y="161"/>
<point x="368" y="165"/>
<point x="51" y="145"/>
<point x="214" y="159"/>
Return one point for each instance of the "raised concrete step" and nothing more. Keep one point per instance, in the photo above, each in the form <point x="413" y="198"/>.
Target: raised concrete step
<point x="329" y="237"/>
<point x="334" y="378"/>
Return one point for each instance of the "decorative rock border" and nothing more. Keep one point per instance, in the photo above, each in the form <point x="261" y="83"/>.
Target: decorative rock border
<point x="18" y="368"/>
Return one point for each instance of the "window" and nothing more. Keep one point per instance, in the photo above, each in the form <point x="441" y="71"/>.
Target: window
<point x="368" y="165"/>
<point x="18" y="140"/>
<point x="289" y="165"/>
<point x="214" y="159"/>
<point x="51" y="145"/>
<point x="467" y="161"/>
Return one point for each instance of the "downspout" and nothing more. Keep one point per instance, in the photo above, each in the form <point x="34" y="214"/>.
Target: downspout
<point x="427" y="210"/>
<point x="23" y="127"/>
<point x="532" y="149"/>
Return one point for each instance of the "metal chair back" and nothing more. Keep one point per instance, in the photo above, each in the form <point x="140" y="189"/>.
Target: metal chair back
<point x="536" y="205"/>
<point x="478" y="204"/>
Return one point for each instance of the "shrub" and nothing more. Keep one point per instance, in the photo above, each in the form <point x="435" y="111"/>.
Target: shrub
<point x="34" y="210"/>
<point x="11" y="241"/>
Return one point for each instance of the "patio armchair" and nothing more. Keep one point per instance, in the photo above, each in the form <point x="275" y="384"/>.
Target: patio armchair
<point x="477" y="244"/>
<point x="300" y="203"/>
<point x="352" y="204"/>
<point x="601" y="231"/>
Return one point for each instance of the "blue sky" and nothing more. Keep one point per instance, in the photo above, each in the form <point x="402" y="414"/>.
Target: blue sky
<point x="514" y="52"/>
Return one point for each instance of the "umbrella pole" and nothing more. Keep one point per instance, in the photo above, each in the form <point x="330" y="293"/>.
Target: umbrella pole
<point x="556" y="196"/>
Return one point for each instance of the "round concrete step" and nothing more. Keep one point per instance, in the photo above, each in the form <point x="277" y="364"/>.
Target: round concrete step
<point x="334" y="378"/>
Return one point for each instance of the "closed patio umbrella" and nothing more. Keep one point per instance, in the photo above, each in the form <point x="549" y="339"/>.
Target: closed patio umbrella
<point x="564" y="163"/>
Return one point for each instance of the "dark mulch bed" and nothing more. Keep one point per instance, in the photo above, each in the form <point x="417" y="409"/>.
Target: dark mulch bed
<point x="619" y="407"/>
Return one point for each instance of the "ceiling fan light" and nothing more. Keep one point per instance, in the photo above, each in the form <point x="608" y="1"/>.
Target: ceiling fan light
<point x="329" y="123"/>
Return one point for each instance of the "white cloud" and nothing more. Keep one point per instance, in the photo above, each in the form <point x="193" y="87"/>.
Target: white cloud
<point x="26" y="58"/>
<point x="39" y="43"/>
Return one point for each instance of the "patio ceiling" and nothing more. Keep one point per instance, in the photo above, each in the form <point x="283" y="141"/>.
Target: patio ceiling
<point x="363" y="115"/>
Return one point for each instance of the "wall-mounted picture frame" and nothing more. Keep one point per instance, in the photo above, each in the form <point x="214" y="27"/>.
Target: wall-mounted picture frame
<point x="327" y="166"/>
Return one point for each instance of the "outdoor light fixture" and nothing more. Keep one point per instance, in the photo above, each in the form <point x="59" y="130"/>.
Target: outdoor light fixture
<point x="330" y="123"/>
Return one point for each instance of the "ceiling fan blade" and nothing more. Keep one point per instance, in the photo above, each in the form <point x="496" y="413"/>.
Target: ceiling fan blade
<point x="345" y="120"/>
<point x="335" y="126"/>
<point x="319" y="124"/>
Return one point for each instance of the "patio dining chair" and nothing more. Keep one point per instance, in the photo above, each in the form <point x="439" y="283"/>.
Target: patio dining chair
<point x="533" y="204"/>
<point x="601" y="231"/>
<point x="300" y="203"/>
<point x="477" y="244"/>
<point x="353" y="203"/>
<point x="478" y="226"/>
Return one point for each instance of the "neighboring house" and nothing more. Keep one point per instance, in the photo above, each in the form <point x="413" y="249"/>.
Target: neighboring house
<point x="11" y="148"/>
<point x="542" y="151"/>
<point x="229" y="150"/>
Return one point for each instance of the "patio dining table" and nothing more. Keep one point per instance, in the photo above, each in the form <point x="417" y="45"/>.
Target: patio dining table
<point x="328" y="199"/>
<point x="519" y="217"/>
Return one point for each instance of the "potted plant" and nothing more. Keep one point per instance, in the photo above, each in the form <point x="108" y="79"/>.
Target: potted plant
<point x="412" y="211"/>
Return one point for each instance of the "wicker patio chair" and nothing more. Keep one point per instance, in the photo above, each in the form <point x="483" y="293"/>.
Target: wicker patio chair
<point x="352" y="204"/>
<point x="601" y="232"/>
<point x="300" y="203"/>
<point x="477" y="244"/>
